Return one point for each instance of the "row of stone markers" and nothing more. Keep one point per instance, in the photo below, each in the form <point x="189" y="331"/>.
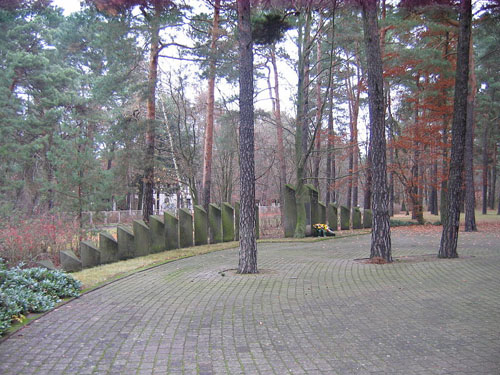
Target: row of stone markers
<point x="163" y="233"/>
<point x="318" y="213"/>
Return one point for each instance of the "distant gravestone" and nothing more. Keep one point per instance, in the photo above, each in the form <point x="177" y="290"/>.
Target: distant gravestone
<point x="356" y="218"/>
<point x="171" y="231"/>
<point x="322" y="212"/>
<point x="215" y="223"/>
<point x="314" y="204"/>
<point x="142" y="238"/>
<point x="237" y="221"/>
<point x="126" y="243"/>
<point x="257" y="222"/>
<point x="157" y="230"/>
<point x="69" y="261"/>
<point x="200" y="226"/>
<point x="367" y="218"/>
<point x="46" y="263"/>
<point x="185" y="228"/>
<point x="290" y="211"/>
<point x="89" y="254"/>
<point x="108" y="248"/>
<point x="227" y="222"/>
<point x="345" y="220"/>
<point x="333" y="216"/>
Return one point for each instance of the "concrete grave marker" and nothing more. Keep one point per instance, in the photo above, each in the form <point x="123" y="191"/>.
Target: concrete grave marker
<point x="227" y="222"/>
<point x="356" y="218"/>
<point x="89" y="254"/>
<point x="185" y="228"/>
<point x="171" y="231"/>
<point x="142" y="239"/>
<point x="215" y="223"/>
<point x="126" y="242"/>
<point x="157" y="230"/>
<point x="345" y="220"/>
<point x="367" y="218"/>
<point x="333" y="216"/>
<point x="108" y="248"/>
<point x="290" y="211"/>
<point x="69" y="261"/>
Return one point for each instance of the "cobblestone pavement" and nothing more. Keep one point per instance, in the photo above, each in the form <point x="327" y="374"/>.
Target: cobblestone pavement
<point x="312" y="310"/>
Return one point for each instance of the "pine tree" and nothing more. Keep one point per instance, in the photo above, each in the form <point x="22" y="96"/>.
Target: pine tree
<point x="448" y="247"/>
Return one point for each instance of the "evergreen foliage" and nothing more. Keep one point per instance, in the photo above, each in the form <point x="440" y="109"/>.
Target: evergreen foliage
<point x="31" y="290"/>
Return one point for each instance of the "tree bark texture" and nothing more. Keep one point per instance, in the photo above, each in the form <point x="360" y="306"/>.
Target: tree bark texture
<point x="485" y="167"/>
<point x="449" y="238"/>
<point x="445" y="167"/>
<point x="367" y="200"/>
<point x="434" y="192"/>
<point x="493" y="179"/>
<point x="248" y="245"/>
<point x="330" y="157"/>
<point x="317" y="140"/>
<point x="416" y="196"/>
<point x="470" y="199"/>
<point x="279" y="134"/>
<point x="147" y="208"/>
<point x="302" y="123"/>
<point x="209" y="128"/>
<point x="381" y="232"/>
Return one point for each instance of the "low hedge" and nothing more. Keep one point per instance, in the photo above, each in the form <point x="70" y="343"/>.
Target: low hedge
<point x="31" y="290"/>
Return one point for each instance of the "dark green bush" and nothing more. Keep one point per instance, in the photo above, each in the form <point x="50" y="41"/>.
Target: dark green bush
<point x="402" y="223"/>
<point x="31" y="290"/>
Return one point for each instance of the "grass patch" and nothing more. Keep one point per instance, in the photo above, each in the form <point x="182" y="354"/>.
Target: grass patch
<point x="96" y="276"/>
<point x="490" y="217"/>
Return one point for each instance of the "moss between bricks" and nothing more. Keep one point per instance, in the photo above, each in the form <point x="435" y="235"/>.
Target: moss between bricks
<point x="132" y="266"/>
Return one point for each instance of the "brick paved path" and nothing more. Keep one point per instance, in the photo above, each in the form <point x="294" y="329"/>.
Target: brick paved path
<point x="313" y="310"/>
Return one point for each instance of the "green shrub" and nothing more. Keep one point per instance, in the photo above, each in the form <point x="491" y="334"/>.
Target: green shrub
<point x="31" y="290"/>
<point x="402" y="223"/>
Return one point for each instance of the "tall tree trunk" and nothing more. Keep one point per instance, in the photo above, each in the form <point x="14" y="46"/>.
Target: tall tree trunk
<point x="485" y="167"/>
<point x="279" y="134"/>
<point x="415" y="191"/>
<point x="317" y="140"/>
<point x="434" y="193"/>
<point x="449" y="238"/>
<point x="248" y="244"/>
<point x="367" y="200"/>
<point x="209" y="128"/>
<point x="470" y="199"/>
<point x="391" y="156"/>
<point x="330" y="156"/>
<point x="50" y="173"/>
<point x="445" y="167"/>
<point x="147" y="208"/>
<point x="354" y="96"/>
<point x="302" y="123"/>
<point x="381" y="233"/>
<point x="493" y="180"/>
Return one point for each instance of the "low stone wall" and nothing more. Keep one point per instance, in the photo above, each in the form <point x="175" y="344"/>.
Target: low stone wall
<point x="162" y="233"/>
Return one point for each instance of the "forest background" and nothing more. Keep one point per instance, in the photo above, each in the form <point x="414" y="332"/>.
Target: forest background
<point x="78" y="134"/>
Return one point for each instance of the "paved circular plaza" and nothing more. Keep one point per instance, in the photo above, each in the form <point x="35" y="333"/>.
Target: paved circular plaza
<point x="313" y="309"/>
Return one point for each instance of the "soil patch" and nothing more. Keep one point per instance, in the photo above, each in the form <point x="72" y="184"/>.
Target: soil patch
<point x="409" y="259"/>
